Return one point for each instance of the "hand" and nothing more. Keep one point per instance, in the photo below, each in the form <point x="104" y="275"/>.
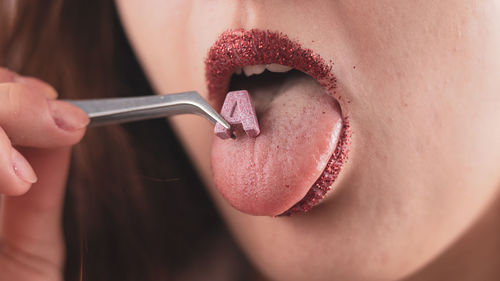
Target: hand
<point x="36" y="132"/>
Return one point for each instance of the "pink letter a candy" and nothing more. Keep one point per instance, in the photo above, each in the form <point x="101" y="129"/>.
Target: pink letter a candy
<point x="238" y="109"/>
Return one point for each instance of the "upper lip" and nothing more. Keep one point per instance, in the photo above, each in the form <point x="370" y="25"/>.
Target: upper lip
<point x="238" y="48"/>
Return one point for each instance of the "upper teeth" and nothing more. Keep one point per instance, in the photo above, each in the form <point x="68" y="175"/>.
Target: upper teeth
<point x="250" y="70"/>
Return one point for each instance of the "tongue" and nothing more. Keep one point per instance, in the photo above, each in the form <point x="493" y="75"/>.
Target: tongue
<point x="300" y="125"/>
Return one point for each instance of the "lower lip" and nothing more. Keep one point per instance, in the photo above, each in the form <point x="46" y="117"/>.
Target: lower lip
<point x="239" y="48"/>
<point x="324" y="183"/>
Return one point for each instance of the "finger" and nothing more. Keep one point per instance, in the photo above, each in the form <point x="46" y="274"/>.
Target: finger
<point x="7" y="75"/>
<point x="16" y="174"/>
<point x="32" y="222"/>
<point x="30" y="119"/>
<point x="36" y="85"/>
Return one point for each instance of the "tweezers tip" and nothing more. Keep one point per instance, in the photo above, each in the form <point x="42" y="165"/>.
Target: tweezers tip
<point x="223" y="122"/>
<point x="209" y="112"/>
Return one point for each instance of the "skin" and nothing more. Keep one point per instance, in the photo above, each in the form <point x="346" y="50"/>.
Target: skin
<point x="419" y="197"/>
<point x="423" y="85"/>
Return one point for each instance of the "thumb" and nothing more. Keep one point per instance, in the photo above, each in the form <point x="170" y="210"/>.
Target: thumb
<point x="32" y="223"/>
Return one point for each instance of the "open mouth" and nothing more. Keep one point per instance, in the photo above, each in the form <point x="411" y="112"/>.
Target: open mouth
<point x="304" y="139"/>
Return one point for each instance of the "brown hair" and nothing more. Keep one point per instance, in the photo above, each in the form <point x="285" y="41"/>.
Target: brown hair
<point x="115" y="227"/>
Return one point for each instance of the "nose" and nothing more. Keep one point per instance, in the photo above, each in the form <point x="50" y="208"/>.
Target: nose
<point x="252" y="13"/>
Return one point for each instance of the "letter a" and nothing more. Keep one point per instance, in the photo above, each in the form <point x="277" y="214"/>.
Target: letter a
<point x="238" y="110"/>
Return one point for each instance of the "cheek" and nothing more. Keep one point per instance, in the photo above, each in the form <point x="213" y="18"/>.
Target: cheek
<point x="424" y="96"/>
<point x="424" y="99"/>
<point x="171" y="38"/>
<point x="157" y="32"/>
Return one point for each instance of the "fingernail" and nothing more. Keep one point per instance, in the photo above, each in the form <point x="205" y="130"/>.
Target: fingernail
<point x="22" y="168"/>
<point x="67" y="116"/>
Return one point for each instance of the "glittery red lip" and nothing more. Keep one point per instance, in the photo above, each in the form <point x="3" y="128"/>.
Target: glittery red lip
<point x="238" y="48"/>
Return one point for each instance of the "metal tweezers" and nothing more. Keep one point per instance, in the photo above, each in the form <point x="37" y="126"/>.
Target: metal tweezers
<point x="128" y="109"/>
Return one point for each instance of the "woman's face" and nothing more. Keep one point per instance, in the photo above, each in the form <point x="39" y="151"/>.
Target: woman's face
<point x="420" y="84"/>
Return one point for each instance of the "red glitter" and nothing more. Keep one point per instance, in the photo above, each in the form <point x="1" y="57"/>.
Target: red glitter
<point x="238" y="48"/>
